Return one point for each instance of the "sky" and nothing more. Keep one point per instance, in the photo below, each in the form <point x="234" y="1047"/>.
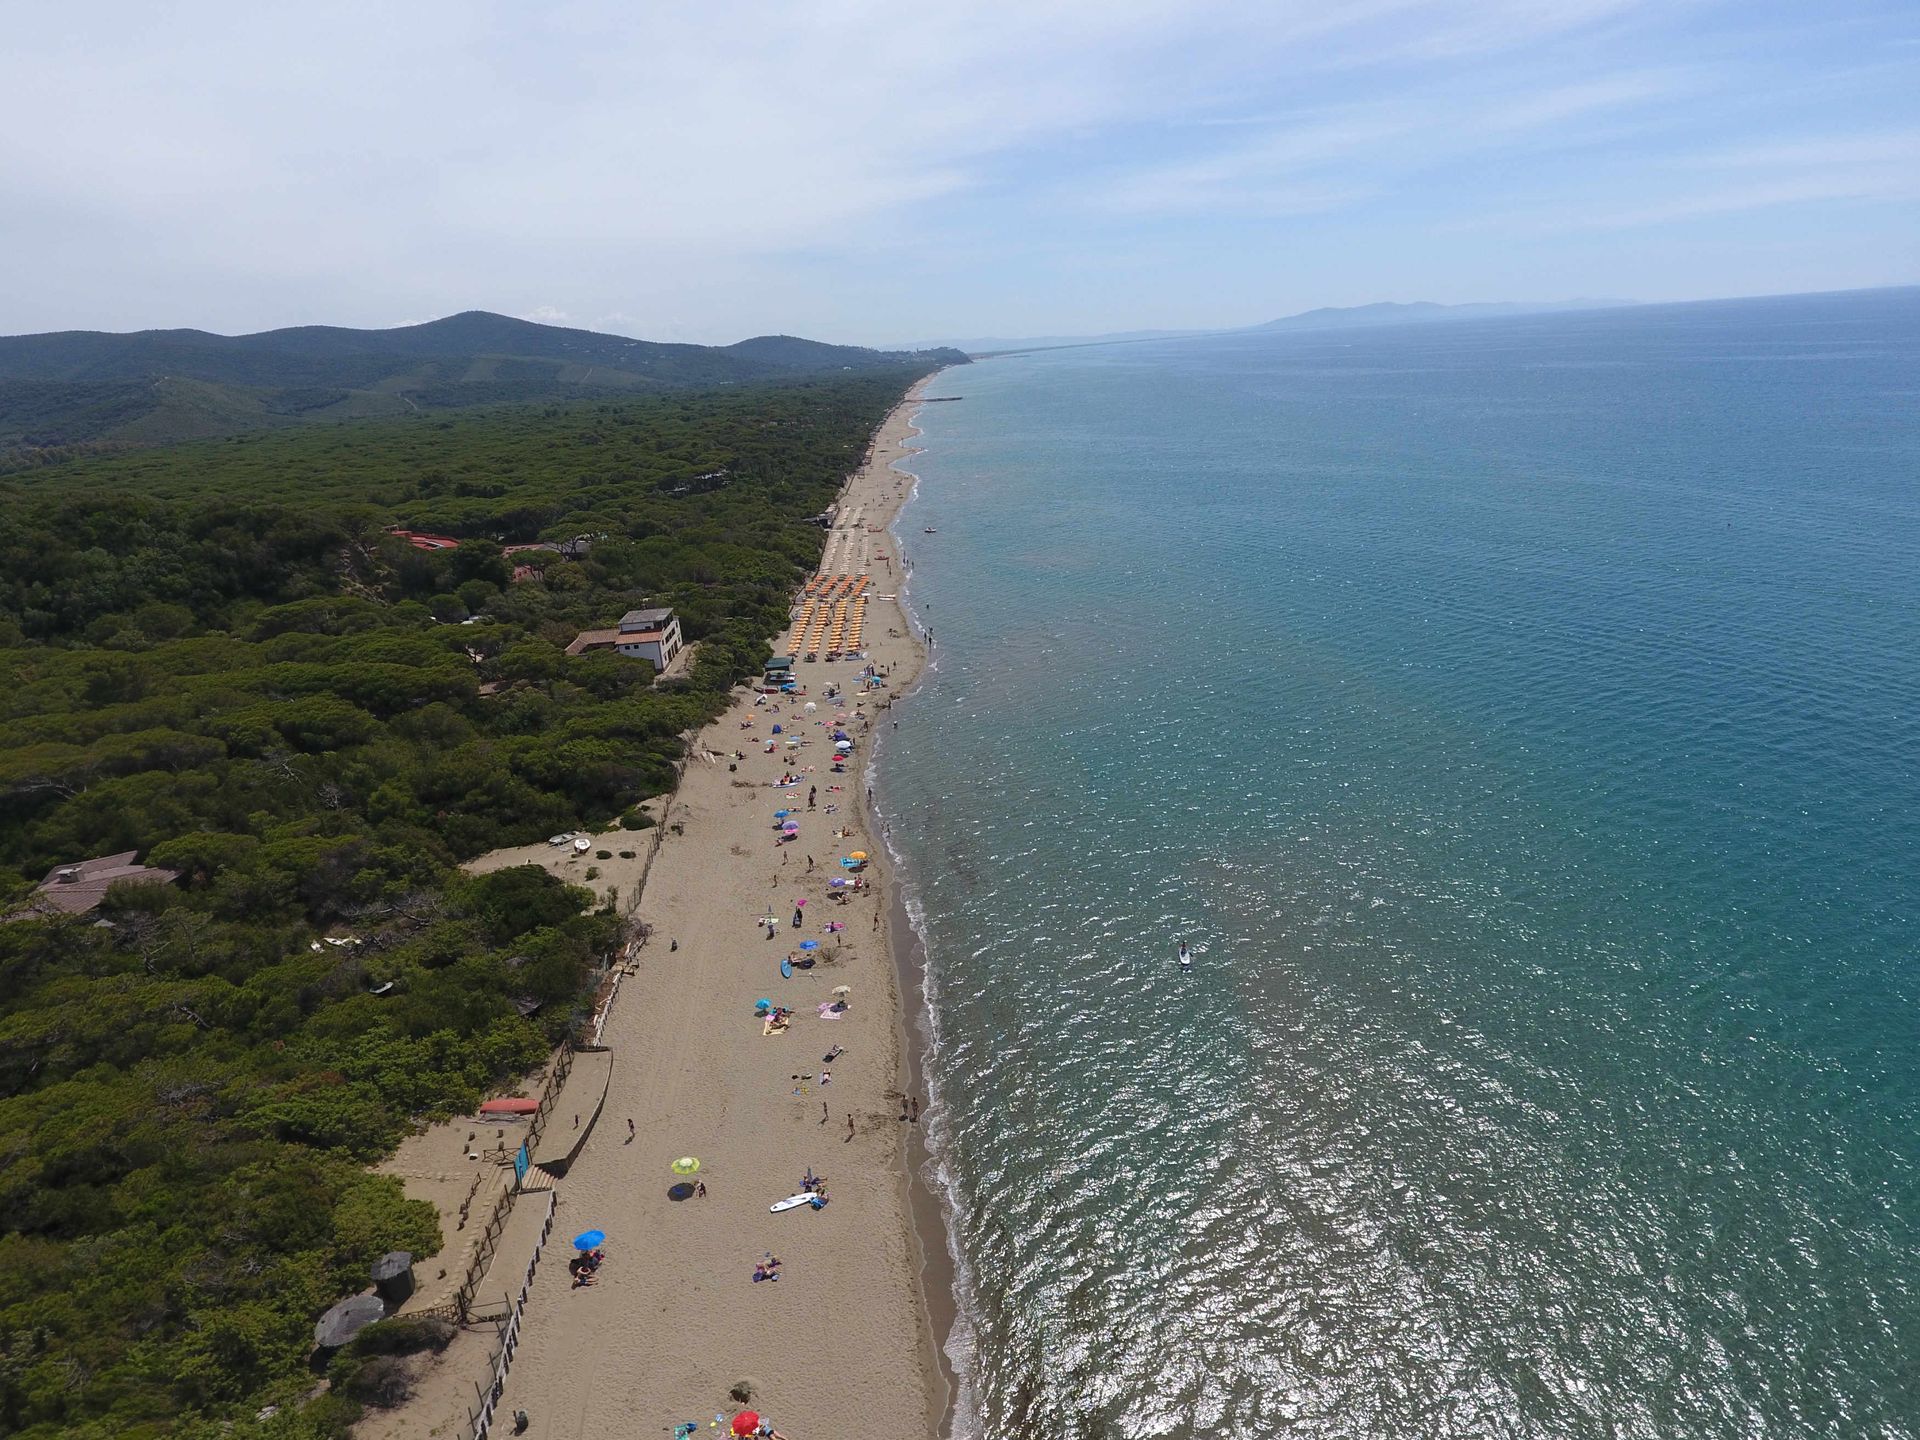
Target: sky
<point x="879" y="172"/>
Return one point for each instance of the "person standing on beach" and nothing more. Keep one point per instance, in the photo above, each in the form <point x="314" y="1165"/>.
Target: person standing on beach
<point x="849" y="1128"/>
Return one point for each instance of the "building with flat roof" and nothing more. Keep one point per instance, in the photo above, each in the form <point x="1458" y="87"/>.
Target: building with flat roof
<point x="650" y="635"/>
<point x="641" y="635"/>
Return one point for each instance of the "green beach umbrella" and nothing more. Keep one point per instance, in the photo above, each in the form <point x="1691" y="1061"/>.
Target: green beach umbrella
<point x="685" y="1165"/>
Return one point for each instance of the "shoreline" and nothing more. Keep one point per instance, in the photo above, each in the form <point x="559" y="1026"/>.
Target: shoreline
<point x="852" y="1342"/>
<point x="933" y="1280"/>
<point x="936" y="1280"/>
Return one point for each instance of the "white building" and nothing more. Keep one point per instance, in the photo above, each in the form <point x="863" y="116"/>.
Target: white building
<point x="650" y="635"/>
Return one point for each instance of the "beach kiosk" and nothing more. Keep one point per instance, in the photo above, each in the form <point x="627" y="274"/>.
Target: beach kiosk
<point x="779" y="673"/>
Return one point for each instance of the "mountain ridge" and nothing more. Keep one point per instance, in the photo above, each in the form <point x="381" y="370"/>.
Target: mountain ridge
<point x="90" y="387"/>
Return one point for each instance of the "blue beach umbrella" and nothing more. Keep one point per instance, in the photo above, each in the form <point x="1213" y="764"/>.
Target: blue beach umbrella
<point x="781" y="814"/>
<point x="590" y="1240"/>
<point x="809" y="944"/>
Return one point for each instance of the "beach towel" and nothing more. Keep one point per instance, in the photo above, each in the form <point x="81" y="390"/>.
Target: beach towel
<point x="773" y="1027"/>
<point x="827" y="1012"/>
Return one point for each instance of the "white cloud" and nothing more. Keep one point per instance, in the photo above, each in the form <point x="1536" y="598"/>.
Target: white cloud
<point x="1894" y="147"/>
<point x="1334" y="158"/>
<point x="717" y="168"/>
<point x="1882" y="167"/>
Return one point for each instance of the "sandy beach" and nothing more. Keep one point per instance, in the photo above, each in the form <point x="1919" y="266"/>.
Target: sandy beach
<point x="841" y="1344"/>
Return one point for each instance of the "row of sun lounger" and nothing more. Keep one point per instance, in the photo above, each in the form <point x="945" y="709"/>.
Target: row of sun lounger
<point x="826" y="586"/>
<point x="833" y="625"/>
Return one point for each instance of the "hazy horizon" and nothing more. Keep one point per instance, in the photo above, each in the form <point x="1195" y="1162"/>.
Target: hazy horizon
<point x="850" y="173"/>
<point x="1103" y="337"/>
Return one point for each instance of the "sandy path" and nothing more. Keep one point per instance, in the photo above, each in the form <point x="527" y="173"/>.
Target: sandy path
<point x="840" y="1346"/>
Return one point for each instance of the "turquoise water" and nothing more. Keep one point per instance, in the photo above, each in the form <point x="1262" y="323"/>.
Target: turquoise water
<point x="1522" y="721"/>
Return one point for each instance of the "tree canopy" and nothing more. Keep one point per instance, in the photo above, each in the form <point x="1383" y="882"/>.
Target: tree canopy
<point x="218" y="656"/>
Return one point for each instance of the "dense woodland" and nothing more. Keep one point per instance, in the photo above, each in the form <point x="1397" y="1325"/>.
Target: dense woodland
<point x="217" y="656"/>
<point x="81" y="390"/>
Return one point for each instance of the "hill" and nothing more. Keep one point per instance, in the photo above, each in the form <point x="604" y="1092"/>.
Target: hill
<point x="95" y="389"/>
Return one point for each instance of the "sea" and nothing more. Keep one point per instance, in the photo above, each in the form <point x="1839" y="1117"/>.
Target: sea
<point x="1520" y="721"/>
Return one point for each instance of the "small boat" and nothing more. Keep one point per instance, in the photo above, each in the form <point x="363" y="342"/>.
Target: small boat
<point x="510" y="1105"/>
<point x="582" y="845"/>
<point x="1186" y="956"/>
<point x="929" y="530"/>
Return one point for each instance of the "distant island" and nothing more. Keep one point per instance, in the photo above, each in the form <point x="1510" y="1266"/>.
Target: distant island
<point x="1420" y="312"/>
<point x="1332" y="317"/>
<point x="99" y="390"/>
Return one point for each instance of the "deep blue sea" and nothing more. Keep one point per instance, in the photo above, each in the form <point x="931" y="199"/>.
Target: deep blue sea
<point x="1521" y="720"/>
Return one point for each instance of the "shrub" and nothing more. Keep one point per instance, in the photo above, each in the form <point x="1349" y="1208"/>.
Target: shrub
<point x="404" y="1335"/>
<point x="382" y="1380"/>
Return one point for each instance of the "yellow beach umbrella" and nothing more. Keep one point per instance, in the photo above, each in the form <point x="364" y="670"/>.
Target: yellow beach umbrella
<point x="858" y="855"/>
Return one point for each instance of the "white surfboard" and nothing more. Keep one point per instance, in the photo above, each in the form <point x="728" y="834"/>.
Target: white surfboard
<point x="792" y="1202"/>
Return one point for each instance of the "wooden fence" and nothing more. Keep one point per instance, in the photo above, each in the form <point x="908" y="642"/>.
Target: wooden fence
<point x="481" y="1416"/>
<point x="489" y="1240"/>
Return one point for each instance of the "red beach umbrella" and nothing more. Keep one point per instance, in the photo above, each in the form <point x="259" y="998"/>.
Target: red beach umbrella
<point x="746" y="1422"/>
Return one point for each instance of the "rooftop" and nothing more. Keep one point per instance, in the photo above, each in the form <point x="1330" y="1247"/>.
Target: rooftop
<point x="77" y="888"/>
<point x="592" y="639"/>
<point x="656" y="619"/>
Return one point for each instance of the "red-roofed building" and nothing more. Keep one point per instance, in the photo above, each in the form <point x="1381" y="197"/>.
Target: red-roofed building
<point x="420" y="540"/>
